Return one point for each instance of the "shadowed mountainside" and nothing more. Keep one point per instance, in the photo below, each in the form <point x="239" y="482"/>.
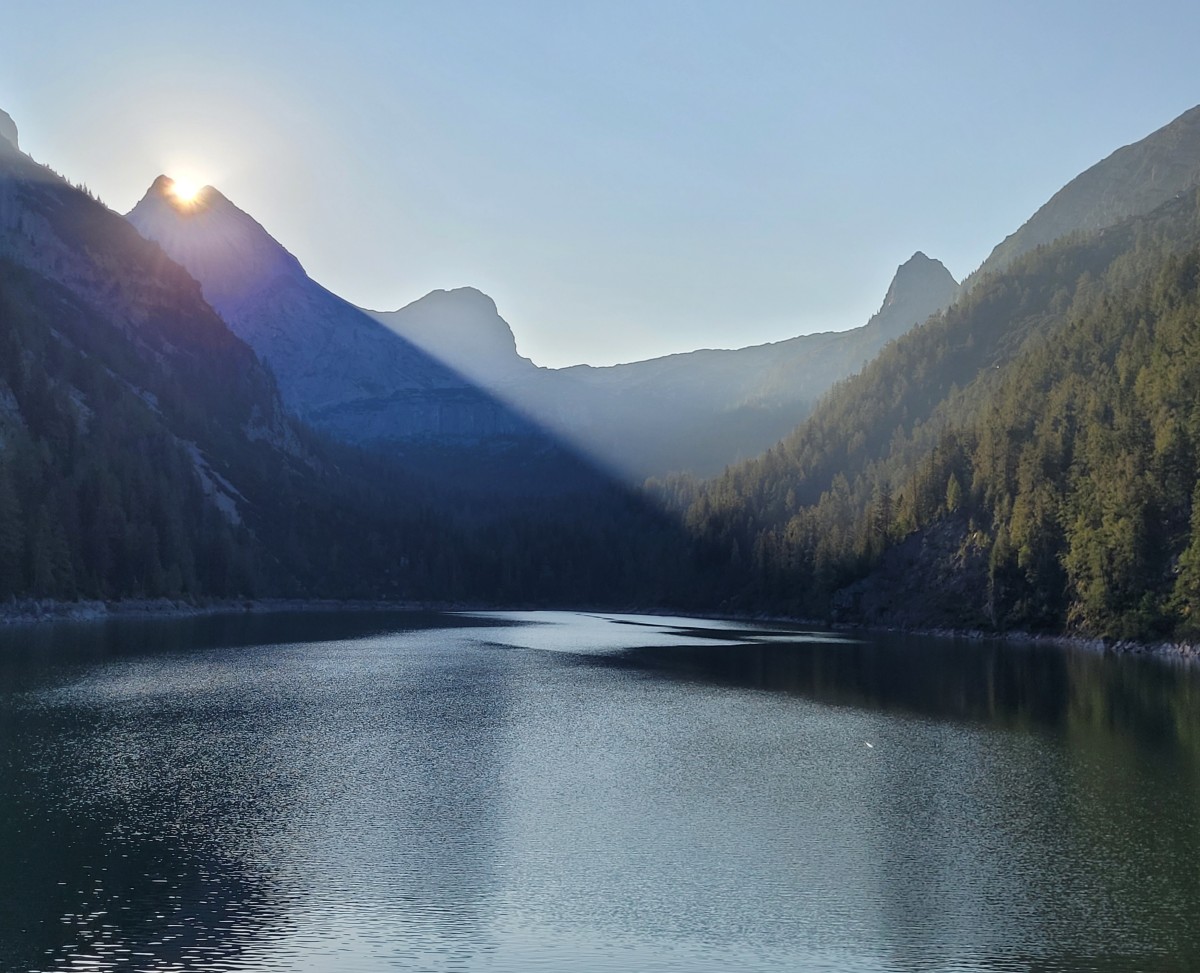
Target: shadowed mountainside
<point x="337" y="368"/>
<point x="145" y="451"/>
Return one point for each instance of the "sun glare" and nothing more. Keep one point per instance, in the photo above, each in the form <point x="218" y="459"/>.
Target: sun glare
<point x="185" y="190"/>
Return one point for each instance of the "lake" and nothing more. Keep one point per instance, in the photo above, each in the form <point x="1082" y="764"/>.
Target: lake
<point x="524" y="791"/>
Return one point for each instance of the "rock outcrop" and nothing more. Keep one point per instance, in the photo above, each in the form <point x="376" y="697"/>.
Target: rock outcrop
<point x="8" y="129"/>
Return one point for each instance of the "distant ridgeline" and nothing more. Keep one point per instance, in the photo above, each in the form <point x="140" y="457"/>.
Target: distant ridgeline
<point x="1029" y="459"/>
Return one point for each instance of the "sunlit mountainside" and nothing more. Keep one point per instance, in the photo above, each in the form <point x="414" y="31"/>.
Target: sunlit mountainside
<point x="184" y="412"/>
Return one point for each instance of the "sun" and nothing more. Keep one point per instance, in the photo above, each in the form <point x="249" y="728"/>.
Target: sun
<point x="185" y="190"/>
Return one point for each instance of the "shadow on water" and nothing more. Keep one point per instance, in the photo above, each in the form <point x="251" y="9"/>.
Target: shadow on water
<point x="41" y="652"/>
<point x="993" y="682"/>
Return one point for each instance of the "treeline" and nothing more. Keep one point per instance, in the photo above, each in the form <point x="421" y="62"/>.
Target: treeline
<point x="1029" y="459"/>
<point x="97" y="498"/>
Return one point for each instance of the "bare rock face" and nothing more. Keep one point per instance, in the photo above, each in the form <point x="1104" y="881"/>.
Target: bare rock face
<point x="8" y="129"/>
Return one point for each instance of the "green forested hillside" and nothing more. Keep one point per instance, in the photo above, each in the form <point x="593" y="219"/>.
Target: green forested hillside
<point x="1028" y="459"/>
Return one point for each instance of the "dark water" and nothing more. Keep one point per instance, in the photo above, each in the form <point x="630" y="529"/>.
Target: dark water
<point x="526" y="792"/>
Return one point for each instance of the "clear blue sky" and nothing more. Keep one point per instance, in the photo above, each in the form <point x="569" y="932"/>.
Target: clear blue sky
<point x="625" y="179"/>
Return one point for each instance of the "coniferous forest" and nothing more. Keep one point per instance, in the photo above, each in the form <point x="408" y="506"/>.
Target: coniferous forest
<point x="1027" y="460"/>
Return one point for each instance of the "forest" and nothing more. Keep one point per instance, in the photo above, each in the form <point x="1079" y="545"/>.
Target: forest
<point x="1026" y="460"/>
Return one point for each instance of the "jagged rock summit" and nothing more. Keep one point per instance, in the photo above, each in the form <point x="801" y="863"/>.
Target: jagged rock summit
<point x="920" y="287"/>
<point x="1133" y="180"/>
<point x="919" y="274"/>
<point x="8" y="129"/>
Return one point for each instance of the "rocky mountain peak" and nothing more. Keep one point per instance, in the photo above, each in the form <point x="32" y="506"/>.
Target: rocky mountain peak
<point x="921" y="286"/>
<point x="462" y="328"/>
<point x="8" y="129"/>
<point x="224" y="248"/>
<point x="922" y="275"/>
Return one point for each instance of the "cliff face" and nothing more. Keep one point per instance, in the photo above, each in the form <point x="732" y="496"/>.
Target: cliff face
<point x="8" y="129"/>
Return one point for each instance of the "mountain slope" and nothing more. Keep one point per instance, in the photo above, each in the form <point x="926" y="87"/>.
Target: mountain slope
<point x="1133" y="180"/>
<point x="696" y="411"/>
<point x="140" y="436"/>
<point x="905" y="461"/>
<point x="337" y="368"/>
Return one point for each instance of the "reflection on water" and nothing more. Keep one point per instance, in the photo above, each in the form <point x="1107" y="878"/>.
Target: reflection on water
<point x="518" y="791"/>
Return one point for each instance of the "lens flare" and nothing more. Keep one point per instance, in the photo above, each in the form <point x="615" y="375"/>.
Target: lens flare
<point x="185" y="190"/>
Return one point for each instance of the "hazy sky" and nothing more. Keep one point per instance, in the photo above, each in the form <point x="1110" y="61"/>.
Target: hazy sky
<point x="625" y="179"/>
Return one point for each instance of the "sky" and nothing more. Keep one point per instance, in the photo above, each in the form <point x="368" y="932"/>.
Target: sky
<point x="625" y="179"/>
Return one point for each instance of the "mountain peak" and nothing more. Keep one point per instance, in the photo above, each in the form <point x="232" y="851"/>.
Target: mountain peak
<point x="463" y="329"/>
<point x="921" y="286"/>
<point x="187" y="198"/>
<point x="920" y="275"/>
<point x="8" y="129"/>
<point x="223" y="247"/>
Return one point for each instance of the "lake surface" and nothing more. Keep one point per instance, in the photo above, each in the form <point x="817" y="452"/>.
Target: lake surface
<point x="554" y="791"/>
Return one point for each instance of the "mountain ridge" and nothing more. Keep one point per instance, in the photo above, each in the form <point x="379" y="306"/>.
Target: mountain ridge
<point x="337" y="367"/>
<point x="696" y="410"/>
<point x="1132" y="180"/>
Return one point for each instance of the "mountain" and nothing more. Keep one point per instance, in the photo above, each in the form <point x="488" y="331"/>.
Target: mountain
<point x="701" y="410"/>
<point x="697" y="411"/>
<point x="462" y="329"/>
<point x="338" y="369"/>
<point x="445" y="369"/>
<point x="141" y="442"/>
<point x="1028" y="459"/>
<point x="797" y="370"/>
<point x="1134" y="180"/>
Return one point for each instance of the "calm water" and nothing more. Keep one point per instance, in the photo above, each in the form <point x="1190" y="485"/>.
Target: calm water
<point x="539" y="791"/>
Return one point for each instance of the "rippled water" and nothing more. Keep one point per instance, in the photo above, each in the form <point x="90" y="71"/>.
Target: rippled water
<point x="552" y="791"/>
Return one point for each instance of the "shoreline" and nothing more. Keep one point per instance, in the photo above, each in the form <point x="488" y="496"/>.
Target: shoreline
<point x="35" y="611"/>
<point x="1184" y="652"/>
